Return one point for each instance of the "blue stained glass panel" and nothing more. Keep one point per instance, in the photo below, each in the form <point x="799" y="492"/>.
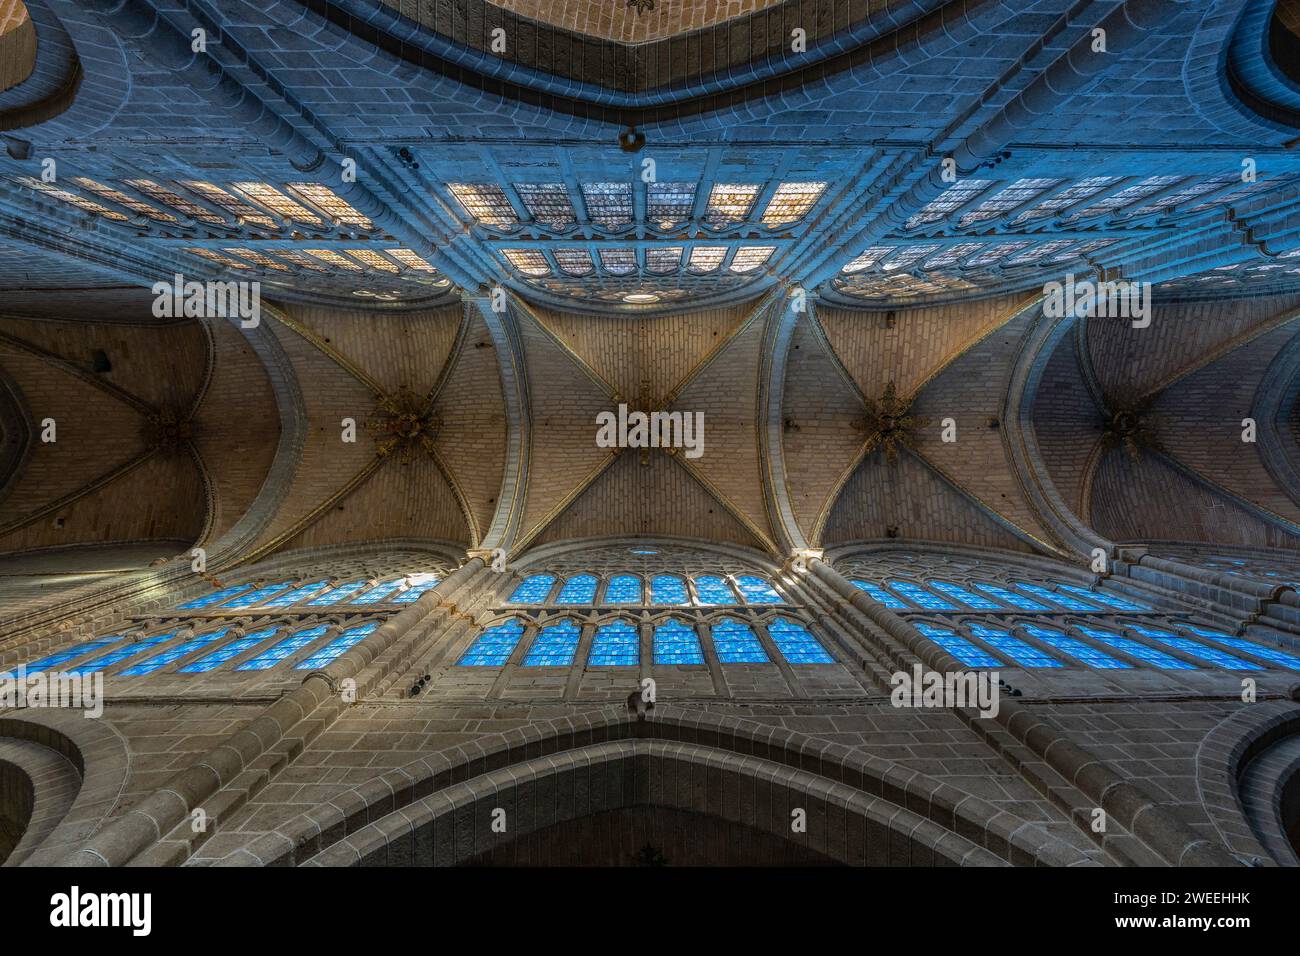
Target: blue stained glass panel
<point x="494" y="646"/>
<point x="230" y="651"/>
<point x="1261" y="651"/>
<point x="958" y="647"/>
<point x="579" y="589"/>
<point x="348" y="639"/>
<point x="216" y="597"/>
<point x="159" y="661"/>
<point x="416" y="591"/>
<point x="297" y="595"/>
<point x="736" y="643"/>
<point x="677" y="643"/>
<point x="1196" y="649"/>
<point x="796" y="645"/>
<point x="554" y="646"/>
<point x="119" y="654"/>
<point x="289" y="646"/>
<point x="1134" y="649"/>
<point x="1018" y="601"/>
<point x="623" y="589"/>
<point x="617" y="644"/>
<point x="756" y="591"/>
<point x="337" y="594"/>
<point x="254" y="597"/>
<point x="67" y="654"/>
<point x="1056" y="597"/>
<point x="921" y="597"/>
<point x="533" y="589"/>
<point x="881" y="596"/>
<point x="713" y="590"/>
<point x="1084" y="653"/>
<point x="1104" y="597"/>
<point x="969" y="598"/>
<point x="379" y="593"/>
<point x="1012" y="647"/>
<point x="668" y="589"/>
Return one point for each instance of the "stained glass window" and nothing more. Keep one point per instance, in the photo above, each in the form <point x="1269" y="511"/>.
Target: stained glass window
<point x="1250" y="647"/>
<point x="289" y="646"/>
<point x="548" y="203"/>
<point x="880" y="595"/>
<point x="791" y="202"/>
<point x="230" y="651"/>
<point x="119" y="654"/>
<point x="575" y="262"/>
<point x="608" y="204"/>
<point x="579" y="589"/>
<point x="419" y="586"/>
<point x="797" y="645"/>
<point x="1011" y="598"/>
<point x="921" y="597"/>
<point x="735" y="643"/>
<point x="485" y="202"/>
<point x="554" y="646"/>
<point x="668" y="589"/>
<point x="236" y="207"/>
<point x="528" y="261"/>
<point x="749" y="258"/>
<point x="1105" y="597"/>
<point x="711" y="589"/>
<point x="182" y="205"/>
<point x="1140" y="651"/>
<point x="969" y="598"/>
<point x="533" y="589"/>
<point x="348" y="639"/>
<point x="1084" y="653"/>
<point x="63" y="656"/>
<point x="663" y="259"/>
<point x="330" y="203"/>
<point x="337" y="594"/>
<point x="958" y="647"/>
<point x="380" y="592"/>
<point x="706" y="258"/>
<point x="618" y="262"/>
<point x="1056" y="597"/>
<point x="756" y="591"/>
<point x="122" y="199"/>
<point x="668" y="204"/>
<point x="677" y="643"/>
<point x="493" y="647"/>
<point x="278" y="202"/>
<point x="254" y="597"/>
<point x="297" y="595"/>
<point x="216" y="597"/>
<point x="616" y="644"/>
<point x="1196" y="649"/>
<point x="1013" y="648"/>
<point x="623" y="589"/>
<point x="730" y="203"/>
<point x="184" y="649"/>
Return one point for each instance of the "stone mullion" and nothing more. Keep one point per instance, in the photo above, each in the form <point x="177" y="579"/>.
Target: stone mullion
<point x="704" y="636"/>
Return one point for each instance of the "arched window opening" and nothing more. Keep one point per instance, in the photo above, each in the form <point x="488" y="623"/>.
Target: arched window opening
<point x="579" y="589"/>
<point x="796" y="644"/>
<point x="713" y="590"/>
<point x="533" y="589"/>
<point x="676" y="642"/>
<point x="736" y="643"/>
<point x="616" y="644"/>
<point x="623" y="589"/>
<point x="668" y="589"/>
<point x="494" y="646"/>
<point x="554" y="645"/>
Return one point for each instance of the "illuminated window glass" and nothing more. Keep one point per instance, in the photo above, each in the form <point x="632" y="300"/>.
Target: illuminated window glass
<point x="791" y="202"/>
<point x="575" y="262"/>
<point x="579" y="589"/>
<point x="235" y="206"/>
<point x="618" y="262"/>
<point x="297" y="595"/>
<point x="216" y="597"/>
<point x="286" y="648"/>
<point x="995" y="253"/>
<point x="755" y="590"/>
<point x="254" y="597"/>
<point x="186" y="207"/>
<point x="730" y="202"/>
<point x="1068" y="197"/>
<point x="485" y="202"/>
<point x="533" y="589"/>
<point x="735" y="643"/>
<point x="616" y="644"/>
<point x="796" y="645"/>
<point x="880" y="595"/>
<point x="337" y="594"/>
<point x="494" y="646"/>
<point x="1012" y="648"/>
<point x="1124" y="197"/>
<point x="230" y="651"/>
<point x="278" y="202"/>
<point x="668" y="589"/>
<point x="380" y="592"/>
<point x="1105" y="597"/>
<point x="958" y="647"/>
<point x="677" y="643"/>
<point x="300" y="260"/>
<point x="63" y="656"/>
<point x="409" y="259"/>
<point x="1084" y="653"/>
<point x="528" y="261"/>
<point x="908" y="256"/>
<point x="868" y="259"/>
<point x="1006" y="199"/>
<point x="1140" y="651"/>
<point x="329" y="202"/>
<point x="1250" y="647"/>
<point x="749" y="258"/>
<point x="1011" y="597"/>
<point x="952" y="254"/>
<point x="334" y="259"/>
<point x="213" y="256"/>
<point x="119" y="654"/>
<point x="608" y="204"/>
<point x="623" y="589"/>
<point x="184" y="649"/>
<point x="921" y="597"/>
<point x="258" y="258"/>
<point x="419" y="585"/>
<point x="554" y="646"/>
<point x="345" y="641"/>
<point x="374" y="260"/>
<point x="1055" y="597"/>
<point x="706" y="258"/>
<point x="668" y="204"/>
<point x="969" y="598"/>
<point x="954" y="197"/>
<point x="663" y="259"/>
<point x="1196" y="649"/>
<point x="711" y="589"/>
<point x="122" y="199"/>
<point x="548" y="203"/>
<point x="72" y="199"/>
